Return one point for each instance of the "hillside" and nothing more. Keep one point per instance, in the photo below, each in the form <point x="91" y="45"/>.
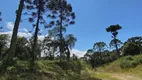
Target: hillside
<point x="46" y="70"/>
<point x="115" y="70"/>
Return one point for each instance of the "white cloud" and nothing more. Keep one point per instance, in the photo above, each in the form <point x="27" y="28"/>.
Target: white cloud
<point x="24" y="34"/>
<point x="41" y="37"/>
<point x="10" y="26"/>
<point x="24" y="29"/>
<point x="21" y="34"/>
<point x="8" y="32"/>
<point x="78" y="52"/>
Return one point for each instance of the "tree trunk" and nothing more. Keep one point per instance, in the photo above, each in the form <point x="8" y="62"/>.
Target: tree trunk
<point x="68" y="52"/>
<point x="12" y="48"/>
<point x="0" y="52"/>
<point x="34" y="47"/>
<point x="116" y="46"/>
<point x="61" y="35"/>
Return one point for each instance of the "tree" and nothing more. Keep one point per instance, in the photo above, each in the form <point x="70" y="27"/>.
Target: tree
<point x="3" y="43"/>
<point x="131" y="48"/>
<point x="0" y="20"/>
<point x="70" y="40"/>
<point x="88" y="54"/>
<point x="112" y="43"/>
<point x="63" y="11"/>
<point x="70" y="43"/>
<point x="50" y="47"/>
<point x="36" y="10"/>
<point x="12" y="48"/>
<point x="137" y="40"/>
<point x="99" y="46"/>
<point x="0" y="16"/>
<point x="22" y="49"/>
<point x="38" y="50"/>
<point x="114" y="31"/>
<point x="90" y="51"/>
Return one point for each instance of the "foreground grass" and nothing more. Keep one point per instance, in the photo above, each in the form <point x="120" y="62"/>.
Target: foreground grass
<point x="115" y="76"/>
<point x="104" y="76"/>
<point x="46" y="70"/>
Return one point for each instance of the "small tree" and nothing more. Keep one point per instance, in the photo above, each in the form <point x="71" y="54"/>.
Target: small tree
<point x="137" y="40"/>
<point x="70" y="43"/>
<point x="114" y="31"/>
<point x="50" y="47"/>
<point x="99" y="46"/>
<point x="22" y="49"/>
<point x="112" y="43"/>
<point x="3" y="43"/>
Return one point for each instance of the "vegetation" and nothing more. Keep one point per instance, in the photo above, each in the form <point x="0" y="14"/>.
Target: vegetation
<point x="49" y="58"/>
<point x="114" y="30"/>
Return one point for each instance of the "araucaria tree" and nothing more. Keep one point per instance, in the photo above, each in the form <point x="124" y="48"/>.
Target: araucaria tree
<point x="37" y="10"/>
<point x="12" y="48"/>
<point x="64" y="16"/>
<point x="0" y="20"/>
<point x="114" y="31"/>
<point x="0" y="16"/>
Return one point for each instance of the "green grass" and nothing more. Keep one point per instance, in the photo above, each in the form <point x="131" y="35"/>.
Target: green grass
<point x="103" y="76"/>
<point x="114" y="67"/>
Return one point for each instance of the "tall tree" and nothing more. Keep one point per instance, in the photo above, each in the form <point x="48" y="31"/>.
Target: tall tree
<point x="0" y="16"/>
<point x="40" y="4"/>
<point x="64" y="17"/>
<point x="12" y="48"/>
<point x="0" y="20"/>
<point x="114" y="31"/>
<point x="37" y="9"/>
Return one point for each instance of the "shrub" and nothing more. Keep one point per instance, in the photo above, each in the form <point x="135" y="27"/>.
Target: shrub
<point x="127" y="62"/>
<point x="72" y="65"/>
<point x="138" y="61"/>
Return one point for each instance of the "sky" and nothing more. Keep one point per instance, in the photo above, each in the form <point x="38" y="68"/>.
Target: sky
<point x="92" y="19"/>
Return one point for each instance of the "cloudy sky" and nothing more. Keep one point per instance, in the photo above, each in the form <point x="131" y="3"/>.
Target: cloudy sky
<point x="92" y="17"/>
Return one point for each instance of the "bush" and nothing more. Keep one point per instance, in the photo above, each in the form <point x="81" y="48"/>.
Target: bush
<point x="138" y="61"/>
<point x="127" y="62"/>
<point x="72" y="65"/>
<point x="128" y="58"/>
